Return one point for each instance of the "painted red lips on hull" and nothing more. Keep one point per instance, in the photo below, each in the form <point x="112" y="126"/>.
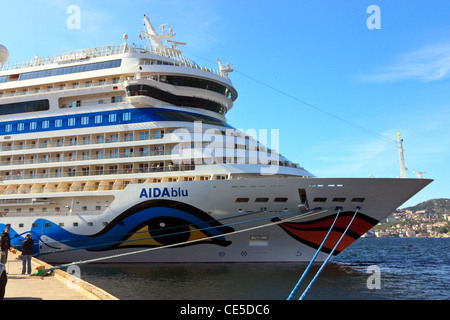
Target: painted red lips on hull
<point x="313" y="232"/>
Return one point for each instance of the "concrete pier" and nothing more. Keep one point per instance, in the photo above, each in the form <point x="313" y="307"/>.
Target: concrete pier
<point x="57" y="286"/>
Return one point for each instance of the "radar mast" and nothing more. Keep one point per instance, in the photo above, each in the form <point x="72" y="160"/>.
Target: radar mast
<point x="153" y="35"/>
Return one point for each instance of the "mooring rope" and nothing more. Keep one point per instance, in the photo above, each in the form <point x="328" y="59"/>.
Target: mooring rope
<point x="294" y="291"/>
<point x="328" y="258"/>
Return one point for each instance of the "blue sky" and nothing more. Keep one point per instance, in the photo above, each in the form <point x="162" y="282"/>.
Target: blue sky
<point x="337" y="91"/>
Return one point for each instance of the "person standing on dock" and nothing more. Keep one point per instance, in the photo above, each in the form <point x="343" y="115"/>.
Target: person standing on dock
<point x="5" y="244"/>
<point x="27" y="253"/>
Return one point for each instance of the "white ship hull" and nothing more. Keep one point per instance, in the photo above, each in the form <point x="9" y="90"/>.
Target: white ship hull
<point x="230" y="231"/>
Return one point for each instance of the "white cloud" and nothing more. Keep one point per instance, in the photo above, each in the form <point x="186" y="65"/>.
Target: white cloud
<point x="427" y="64"/>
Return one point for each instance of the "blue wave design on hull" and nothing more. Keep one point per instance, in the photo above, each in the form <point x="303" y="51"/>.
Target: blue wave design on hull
<point x="151" y="223"/>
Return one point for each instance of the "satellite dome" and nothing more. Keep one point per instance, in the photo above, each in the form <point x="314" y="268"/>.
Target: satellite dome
<point x="4" y="54"/>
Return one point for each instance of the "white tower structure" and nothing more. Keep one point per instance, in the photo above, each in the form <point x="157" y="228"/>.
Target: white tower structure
<point x="402" y="159"/>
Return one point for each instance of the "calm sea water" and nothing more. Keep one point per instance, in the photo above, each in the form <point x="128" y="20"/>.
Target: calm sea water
<point x="409" y="269"/>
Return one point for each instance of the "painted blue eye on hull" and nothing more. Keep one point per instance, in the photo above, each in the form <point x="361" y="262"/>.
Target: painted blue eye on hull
<point x="164" y="221"/>
<point x="119" y="233"/>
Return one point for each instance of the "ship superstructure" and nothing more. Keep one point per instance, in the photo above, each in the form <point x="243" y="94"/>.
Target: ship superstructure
<point x="109" y="149"/>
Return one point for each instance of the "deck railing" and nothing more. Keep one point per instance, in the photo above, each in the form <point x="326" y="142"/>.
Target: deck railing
<point x="104" y="51"/>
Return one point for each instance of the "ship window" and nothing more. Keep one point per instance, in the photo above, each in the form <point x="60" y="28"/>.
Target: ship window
<point x="68" y="70"/>
<point x="22" y="107"/>
<point x="45" y="124"/>
<point x="87" y="140"/>
<point x="58" y="123"/>
<point x="75" y="104"/>
<point x="84" y="120"/>
<point x="20" y="126"/>
<point x="261" y="199"/>
<point x="144" y="135"/>
<point x="98" y="118"/>
<point x="280" y="199"/>
<point x="100" y="139"/>
<point x="128" y="137"/>
<point x="114" y="137"/>
<point x="338" y="199"/>
<point x="75" y="224"/>
<point x="8" y="127"/>
<point x="358" y="199"/>
<point x="126" y="116"/>
<point x="242" y="199"/>
<point x="170" y="115"/>
<point x="177" y="100"/>
<point x="33" y="125"/>
<point x="112" y="117"/>
<point x="71" y="122"/>
<point x="194" y="83"/>
<point x="320" y="199"/>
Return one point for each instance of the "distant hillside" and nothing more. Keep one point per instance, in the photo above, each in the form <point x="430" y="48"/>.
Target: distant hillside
<point x="434" y="206"/>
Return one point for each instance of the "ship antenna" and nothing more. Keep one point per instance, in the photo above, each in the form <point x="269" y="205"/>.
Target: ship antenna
<point x="402" y="158"/>
<point x="419" y="174"/>
<point x="154" y="37"/>
<point x="224" y="69"/>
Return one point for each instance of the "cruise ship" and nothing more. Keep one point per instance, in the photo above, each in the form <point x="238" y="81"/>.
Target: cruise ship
<point x="124" y="154"/>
